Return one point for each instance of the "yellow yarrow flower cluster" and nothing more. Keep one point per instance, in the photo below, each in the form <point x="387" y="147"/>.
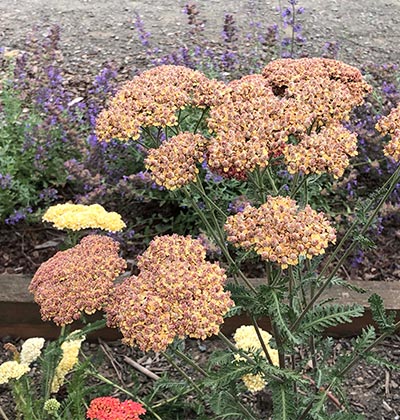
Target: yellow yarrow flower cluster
<point x="153" y="99"/>
<point x="77" y="280"/>
<point x="31" y="350"/>
<point x="177" y="293"/>
<point x="80" y="216"/>
<point x="12" y="370"/>
<point x="280" y="232"/>
<point x="70" y="351"/>
<point x="325" y="151"/>
<point x="391" y="125"/>
<point x="173" y="164"/>
<point x="246" y="339"/>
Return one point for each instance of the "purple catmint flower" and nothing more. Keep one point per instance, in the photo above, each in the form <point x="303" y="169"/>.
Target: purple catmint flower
<point x="5" y="181"/>
<point x="357" y="258"/>
<point x="48" y="194"/>
<point x="143" y="35"/>
<point x="18" y="216"/>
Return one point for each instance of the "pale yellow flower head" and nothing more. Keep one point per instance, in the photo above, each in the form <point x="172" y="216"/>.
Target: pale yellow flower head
<point x="80" y="216"/>
<point x="254" y="383"/>
<point x="31" y="350"/>
<point x="246" y="339"/>
<point x="12" y="370"/>
<point x="69" y="359"/>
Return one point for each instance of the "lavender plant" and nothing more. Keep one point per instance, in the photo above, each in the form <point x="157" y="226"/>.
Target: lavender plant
<point x="236" y="53"/>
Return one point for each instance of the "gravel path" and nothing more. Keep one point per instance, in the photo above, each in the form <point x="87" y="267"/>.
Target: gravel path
<point x="96" y="31"/>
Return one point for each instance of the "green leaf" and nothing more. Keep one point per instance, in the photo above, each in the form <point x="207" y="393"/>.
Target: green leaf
<point x="367" y="337"/>
<point x="322" y="317"/>
<point x="283" y="399"/>
<point x="385" y="321"/>
<point x="337" y="281"/>
<point x="375" y="359"/>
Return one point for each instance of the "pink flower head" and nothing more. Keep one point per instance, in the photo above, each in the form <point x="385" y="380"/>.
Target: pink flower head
<point x="177" y="293"/>
<point x="153" y="99"/>
<point x="77" y="280"/>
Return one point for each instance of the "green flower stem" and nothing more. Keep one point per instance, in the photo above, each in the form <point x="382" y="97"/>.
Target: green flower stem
<point x="204" y="373"/>
<point x="369" y="348"/>
<point x="23" y="407"/>
<point x="171" y="399"/>
<point x="190" y="362"/>
<point x="125" y="391"/>
<point x="275" y="330"/>
<point x="220" y="241"/>
<point x="183" y="373"/>
<point x="201" y="117"/>
<point x="271" y="181"/>
<point x="248" y="358"/>
<point x="305" y="191"/>
<point x="294" y="185"/>
<point x="155" y="141"/>
<point x="391" y="185"/>
<point x="312" y="338"/>
<point x="303" y="415"/>
<point x="263" y="345"/>
<point x="206" y="198"/>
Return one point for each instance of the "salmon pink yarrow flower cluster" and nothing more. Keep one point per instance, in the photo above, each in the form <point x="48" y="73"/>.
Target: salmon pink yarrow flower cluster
<point x="177" y="293"/>
<point x="246" y="339"/>
<point x="153" y="99"/>
<point x="325" y="151"/>
<point x="80" y="216"/>
<point x="173" y="164"/>
<point x="320" y="89"/>
<point x="77" y="280"/>
<point x="110" y="408"/>
<point x="391" y="125"/>
<point x="280" y="232"/>
<point x="248" y="128"/>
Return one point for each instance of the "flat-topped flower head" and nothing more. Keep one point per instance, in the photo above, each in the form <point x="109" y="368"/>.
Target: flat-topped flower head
<point x="12" y="370"/>
<point x="31" y="350"/>
<point x="280" y="232"/>
<point x="110" y="408"/>
<point x="246" y="339"/>
<point x="318" y="90"/>
<point x="248" y="128"/>
<point x="153" y="99"/>
<point x="177" y="293"/>
<point x="326" y="151"/>
<point x="174" y="163"/>
<point x="77" y="280"/>
<point x="390" y="125"/>
<point x="79" y="216"/>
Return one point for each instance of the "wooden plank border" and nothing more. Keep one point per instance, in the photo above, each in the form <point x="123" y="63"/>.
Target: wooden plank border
<point x="20" y="317"/>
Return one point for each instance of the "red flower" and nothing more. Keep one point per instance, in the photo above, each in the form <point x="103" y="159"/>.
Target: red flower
<point x="109" y="408"/>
